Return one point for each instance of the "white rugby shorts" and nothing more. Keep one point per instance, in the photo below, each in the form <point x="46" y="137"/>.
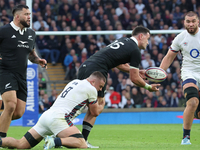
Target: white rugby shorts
<point x="51" y="122"/>
<point x="188" y="74"/>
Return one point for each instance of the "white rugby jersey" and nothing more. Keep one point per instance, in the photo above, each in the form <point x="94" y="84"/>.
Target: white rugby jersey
<point x="74" y="98"/>
<point x="189" y="45"/>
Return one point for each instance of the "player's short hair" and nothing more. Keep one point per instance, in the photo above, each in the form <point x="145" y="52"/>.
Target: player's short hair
<point x="19" y="8"/>
<point x="99" y="75"/>
<point x="140" y="29"/>
<point x="191" y="14"/>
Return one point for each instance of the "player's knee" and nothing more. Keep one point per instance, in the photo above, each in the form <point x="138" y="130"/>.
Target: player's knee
<point x="197" y="114"/>
<point x="31" y="140"/>
<point x="18" y="114"/>
<point x="94" y="113"/>
<point x="192" y="96"/>
<point x="10" y="107"/>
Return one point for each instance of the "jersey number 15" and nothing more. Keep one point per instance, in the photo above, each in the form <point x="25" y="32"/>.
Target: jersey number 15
<point x="115" y="45"/>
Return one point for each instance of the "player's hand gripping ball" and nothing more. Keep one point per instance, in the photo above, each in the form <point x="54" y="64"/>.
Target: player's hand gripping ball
<point x="155" y="74"/>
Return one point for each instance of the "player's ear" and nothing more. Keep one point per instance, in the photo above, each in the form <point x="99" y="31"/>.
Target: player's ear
<point x="17" y="16"/>
<point x="141" y="36"/>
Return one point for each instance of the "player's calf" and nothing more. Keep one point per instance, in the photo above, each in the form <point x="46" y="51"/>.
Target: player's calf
<point x="80" y="141"/>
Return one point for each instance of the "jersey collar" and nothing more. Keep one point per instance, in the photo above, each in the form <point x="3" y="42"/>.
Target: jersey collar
<point x="134" y="39"/>
<point x="17" y="28"/>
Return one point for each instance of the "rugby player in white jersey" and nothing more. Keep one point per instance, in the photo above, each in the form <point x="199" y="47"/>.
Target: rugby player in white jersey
<point x="58" y="119"/>
<point x="188" y="42"/>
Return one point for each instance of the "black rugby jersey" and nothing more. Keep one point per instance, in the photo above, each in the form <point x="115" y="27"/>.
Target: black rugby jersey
<point x="15" y="49"/>
<point x="123" y="50"/>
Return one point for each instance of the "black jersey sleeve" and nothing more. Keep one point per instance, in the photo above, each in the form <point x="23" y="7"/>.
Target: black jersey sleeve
<point x="1" y="34"/>
<point x="32" y="32"/>
<point x="135" y="58"/>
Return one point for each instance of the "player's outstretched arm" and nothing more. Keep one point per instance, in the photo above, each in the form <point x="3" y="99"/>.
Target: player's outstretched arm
<point x="154" y="87"/>
<point x="124" y="67"/>
<point x="167" y="60"/>
<point x="137" y="80"/>
<point x="34" y="58"/>
<point x="142" y="74"/>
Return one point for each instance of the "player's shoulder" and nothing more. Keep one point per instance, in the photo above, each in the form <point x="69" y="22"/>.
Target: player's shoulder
<point x="181" y="35"/>
<point x="128" y="42"/>
<point x="5" y="27"/>
<point x="88" y="86"/>
<point x="31" y="31"/>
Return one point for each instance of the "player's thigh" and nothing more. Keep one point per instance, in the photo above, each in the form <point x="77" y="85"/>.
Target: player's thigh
<point x="35" y="134"/>
<point x="190" y="85"/>
<point x="8" y="83"/>
<point x="68" y="131"/>
<point x="22" y="92"/>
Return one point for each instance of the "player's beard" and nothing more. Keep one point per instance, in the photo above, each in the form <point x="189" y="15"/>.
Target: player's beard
<point x="193" y="31"/>
<point x="24" y="23"/>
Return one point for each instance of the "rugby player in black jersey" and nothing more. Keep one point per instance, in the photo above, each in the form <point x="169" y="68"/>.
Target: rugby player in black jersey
<point x="117" y="54"/>
<point x="16" y="47"/>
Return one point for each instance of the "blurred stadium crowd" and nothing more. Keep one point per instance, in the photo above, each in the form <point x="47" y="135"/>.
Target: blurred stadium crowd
<point x="97" y="15"/>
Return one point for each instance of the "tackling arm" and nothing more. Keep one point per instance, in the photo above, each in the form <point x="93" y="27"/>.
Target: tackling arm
<point x="97" y="108"/>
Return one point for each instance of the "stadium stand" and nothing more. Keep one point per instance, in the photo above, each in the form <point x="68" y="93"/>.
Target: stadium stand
<point x="97" y="15"/>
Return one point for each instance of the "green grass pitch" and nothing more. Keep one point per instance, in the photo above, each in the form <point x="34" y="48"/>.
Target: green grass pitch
<point x="132" y="137"/>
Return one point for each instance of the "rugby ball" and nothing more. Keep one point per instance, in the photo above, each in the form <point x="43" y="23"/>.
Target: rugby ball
<point x="155" y="74"/>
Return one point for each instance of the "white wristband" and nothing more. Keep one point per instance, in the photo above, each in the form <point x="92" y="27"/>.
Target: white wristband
<point x="147" y="86"/>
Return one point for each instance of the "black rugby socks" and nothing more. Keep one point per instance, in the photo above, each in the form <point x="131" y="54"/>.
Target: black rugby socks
<point x="87" y="127"/>
<point x="2" y="134"/>
<point x="186" y="132"/>
<point x="57" y="142"/>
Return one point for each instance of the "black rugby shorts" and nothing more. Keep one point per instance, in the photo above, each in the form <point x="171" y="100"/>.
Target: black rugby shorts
<point x="10" y="81"/>
<point x="86" y="69"/>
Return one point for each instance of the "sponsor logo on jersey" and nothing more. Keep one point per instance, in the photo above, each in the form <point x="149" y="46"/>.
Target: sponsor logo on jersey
<point x="7" y="86"/>
<point x="30" y="37"/>
<point x="185" y="43"/>
<point x="22" y="44"/>
<point x="13" y="37"/>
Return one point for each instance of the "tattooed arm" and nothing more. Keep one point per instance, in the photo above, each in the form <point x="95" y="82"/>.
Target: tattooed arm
<point x="34" y="58"/>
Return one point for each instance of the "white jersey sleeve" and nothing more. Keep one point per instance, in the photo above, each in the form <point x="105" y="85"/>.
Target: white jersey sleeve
<point x="175" y="46"/>
<point x="92" y="97"/>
